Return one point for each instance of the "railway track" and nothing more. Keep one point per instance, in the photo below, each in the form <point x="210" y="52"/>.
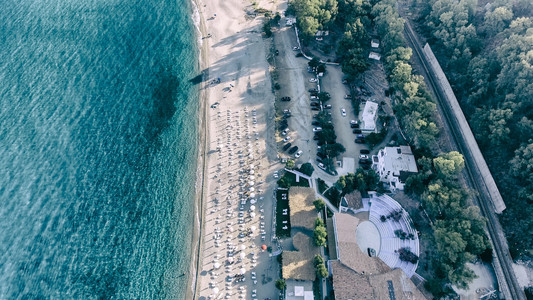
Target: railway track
<point x="510" y="287"/>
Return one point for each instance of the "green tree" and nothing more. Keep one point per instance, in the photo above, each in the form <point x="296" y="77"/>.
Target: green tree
<point x="497" y="20"/>
<point x="307" y="169"/>
<point x="319" y="236"/>
<point x="321" y="271"/>
<point x="522" y="164"/>
<point x="318" y="260"/>
<point x="319" y="204"/>
<point x="290" y="164"/>
<point x="281" y="284"/>
<point x="319" y="222"/>
<point x="449" y="164"/>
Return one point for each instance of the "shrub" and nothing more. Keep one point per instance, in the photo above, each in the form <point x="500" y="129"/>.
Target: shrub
<point x="407" y="255"/>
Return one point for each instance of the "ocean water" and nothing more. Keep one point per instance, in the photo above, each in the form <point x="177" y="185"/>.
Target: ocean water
<point x="98" y="148"/>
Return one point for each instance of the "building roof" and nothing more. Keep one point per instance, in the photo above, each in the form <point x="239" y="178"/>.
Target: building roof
<point x="348" y="251"/>
<point x="299" y="264"/>
<point x="369" y="116"/>
<point x="391" y="285"/>
<point x="353" y="200"/>
<point x="302" y="209"/>
<point x="374" y="55"/>
<point x="332" y="247"/>
<point x="374" y="43"/>
<point x="299" y="290"/>
<point x="396" y="159"/>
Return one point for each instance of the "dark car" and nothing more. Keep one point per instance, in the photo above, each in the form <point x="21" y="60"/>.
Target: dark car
<point x="293" y="149"/>
<point x="318" y="159"/>
<point x="364" y="151"/>
<point x="315" y="104"/>
<point x="354" y="125"/>
<point x="315" y="108"/>
<point x="316" y="138"/>
<point x="361" y="136"/>
<point x="321" y="155"/>
<point x="360" y="141"/>
<point x="286" y="146"/>
<point x="285" y="98"/>
<point x="313" y="90"/>
<point x="299" y="54"/>
<point x="315" y="123"/>
<point x="365" y="162"/>
<point x="357" y="130"/>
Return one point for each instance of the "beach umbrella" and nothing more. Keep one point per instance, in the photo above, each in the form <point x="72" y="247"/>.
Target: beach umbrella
<point x="252" y="189"/>
<point x="243" y="247"/>
<point x="253" y="228"/>
<point x="252" y="177"/>
<point x="243" y="270"/>
<point x="252" y="208"/>
<point x="230" y="259"/>
<point x="252" y="166"/>
<point x="242" y="254"/>
<point x="216" y="265"/>
<point x="252" y="171"/>
<point x="252" y="195"/>
<point x="252" y="215"/>
<point x="251" y="183"/>
<point x="252" y="201"/>
<point x="215" y="290"/>
<point x="264" y="247"/>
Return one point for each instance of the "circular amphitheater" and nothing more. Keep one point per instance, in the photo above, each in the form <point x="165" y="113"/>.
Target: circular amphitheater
<point x="388" y="244"/>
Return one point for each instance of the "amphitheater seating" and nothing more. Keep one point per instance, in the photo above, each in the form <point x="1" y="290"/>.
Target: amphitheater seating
<point x="384" y="206"/>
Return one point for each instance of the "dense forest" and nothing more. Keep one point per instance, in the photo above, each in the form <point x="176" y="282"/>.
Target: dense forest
<point x="486" y="50"/>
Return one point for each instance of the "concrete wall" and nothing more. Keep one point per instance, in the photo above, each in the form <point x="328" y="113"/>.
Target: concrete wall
<point x="466" y="132"/>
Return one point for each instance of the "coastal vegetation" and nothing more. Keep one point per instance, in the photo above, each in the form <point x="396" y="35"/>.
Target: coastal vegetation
<point x="319" y="234"/>
<point x="486" y="53"/>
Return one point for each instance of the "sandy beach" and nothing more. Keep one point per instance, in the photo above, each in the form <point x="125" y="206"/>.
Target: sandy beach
<point x="237" y="157"/>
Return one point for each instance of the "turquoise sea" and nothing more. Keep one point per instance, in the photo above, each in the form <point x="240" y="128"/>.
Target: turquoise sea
<point x="98" y="148"/>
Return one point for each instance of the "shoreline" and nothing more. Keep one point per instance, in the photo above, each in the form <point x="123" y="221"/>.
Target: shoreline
<point x="203" y="130"/>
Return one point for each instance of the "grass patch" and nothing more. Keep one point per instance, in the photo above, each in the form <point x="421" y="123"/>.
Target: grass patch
<point x="289" y="179"/>
<point x="333" y="195"/>
<point x="322" y="186"/>
<point x="282" y="204"/>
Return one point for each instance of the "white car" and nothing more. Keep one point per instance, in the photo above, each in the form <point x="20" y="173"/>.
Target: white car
<point x="298" y="154"/>
<point x="363" y="156"/>
<point x="321" y="166"/>
<point x="276" y="175"/>
<point x="354" y="122"/>
<point x="343" y="112"/>
<point x="317" y="129"/>
<point x="287" y="139"/>
<point x="295" y="48"/>
<point x="313" y="80"/>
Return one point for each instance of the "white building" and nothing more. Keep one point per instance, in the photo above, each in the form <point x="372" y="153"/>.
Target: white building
<point x="394" y="165"/>
<point x="374" y="43"/>
<point x="370" y="115"/>
<point x="374" y="56"/>
<point x="299" y="290"/>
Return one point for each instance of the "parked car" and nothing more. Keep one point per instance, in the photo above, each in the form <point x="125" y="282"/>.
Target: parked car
<point x="287" y="139"/>
<point x="315" y="123"/>
<point x="298" y="154"/>
<point x="314" y="97"/>
<point x="343" y="112"/>
<point x="315" y="108"/>
<point x="315" y="104"/>
<point x="365" y="161"/>
<point x="347" y="96"/>
<point x="295" y="48"/>
<point x="360" y="141"/>
<point x="286" y="146"/>
<point x="285" y="131"/>
<point x="293" y="149"/>
<point x="313" y="90"/>
<point x="314" y="93"/>
<point x="328" y="106"/>
<point x="299" y="54"/>
<point x="285" y="98"/>
<point x="357" y="130"/>
<point x="354" y="125"/>
<point x="313" y="80"/>
<point x="317" y="129"/>
<point x="318" y="159"/>
<point x="321" y="155"/>
<point x="363" y="156"/>
<point x="353" y="122"/>
<point x="276" y="175"/>
<point x="364" y="151"/>
<point x="321" y="166"/>
<point x="361" y="136"/>
<point x="316" y="138"/>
